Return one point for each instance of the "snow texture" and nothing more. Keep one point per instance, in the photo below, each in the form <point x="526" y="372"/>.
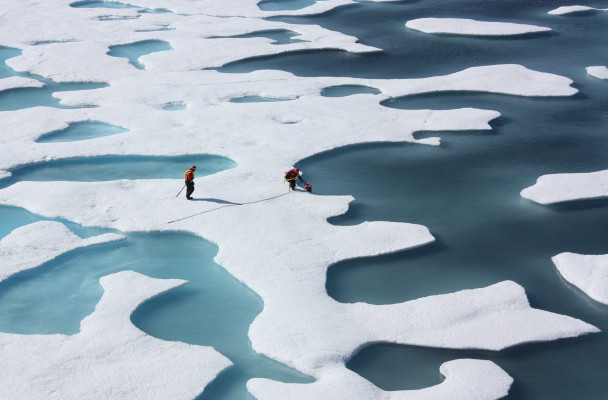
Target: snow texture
<point x="600" y="72"/>
<point x="558" y="188"/>
<point x="462" y="26"/>
<point x="466" y="379"/>
<point x="260" y="243"/>
<point x="589" y="273"/>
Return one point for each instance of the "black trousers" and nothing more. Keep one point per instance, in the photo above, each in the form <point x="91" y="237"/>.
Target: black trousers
<point x="189" y="188"/>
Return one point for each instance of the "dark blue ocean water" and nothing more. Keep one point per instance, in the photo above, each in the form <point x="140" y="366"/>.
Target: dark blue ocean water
<point x="466" y="191"/>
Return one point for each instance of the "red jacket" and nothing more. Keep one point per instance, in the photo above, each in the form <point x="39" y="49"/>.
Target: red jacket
<point x="292" y="174"/>
<point x="189" y="175"/>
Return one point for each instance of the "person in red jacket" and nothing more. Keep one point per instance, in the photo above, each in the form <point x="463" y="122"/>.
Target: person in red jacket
<point x="291" y="176"/>
<point x="189" y="176"/>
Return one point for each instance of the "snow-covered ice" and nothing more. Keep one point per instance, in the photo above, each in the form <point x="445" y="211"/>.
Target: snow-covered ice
<point x="109" y="358"/>
<point x="32" y="245"/>
<point x="15" y="82"/>
<point x="558" y="188"/>
<point x="574" y="9"/>
<point x="465" y="379"/>
<point x="365" y="119"/>
<point x="463" y="26"/>
<point x="300" y="325"/>
<point x="600" y="71"/>
<point x="589" y="273"/>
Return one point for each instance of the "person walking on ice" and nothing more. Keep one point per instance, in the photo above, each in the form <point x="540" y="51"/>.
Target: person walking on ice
<point x="292" y="175"/>
<point x="189" y="176"/>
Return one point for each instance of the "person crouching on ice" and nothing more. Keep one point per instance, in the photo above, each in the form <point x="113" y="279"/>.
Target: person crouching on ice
<point x="291" y="176"/>
<point x="189" y="176"/>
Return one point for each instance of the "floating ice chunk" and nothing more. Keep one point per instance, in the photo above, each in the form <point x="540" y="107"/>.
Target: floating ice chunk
<point x="461" y="26"/>
<point x="510" y="79"/>
<point x="15" y="82"/>
<point x="32" y="245"/>
<point x="109" y="357"/>
<point x="589" y="273"/>
<point x="600" y="72"/>
<point x="488" y="380"/>
<point x="573" y="9"/>
<point x="558" y="188"/>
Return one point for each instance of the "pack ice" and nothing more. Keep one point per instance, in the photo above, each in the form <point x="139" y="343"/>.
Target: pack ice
<point x="300" y="325"/>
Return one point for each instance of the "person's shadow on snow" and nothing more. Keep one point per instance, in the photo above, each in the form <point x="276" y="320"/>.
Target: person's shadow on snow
<point x="219" y="201"/>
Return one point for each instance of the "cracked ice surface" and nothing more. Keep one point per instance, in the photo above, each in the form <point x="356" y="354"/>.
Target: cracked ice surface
<point x="463" y="26"/>
<point x="556" y="188"/>
<point x="300" y="324"/>
<point x="587" y="272"/>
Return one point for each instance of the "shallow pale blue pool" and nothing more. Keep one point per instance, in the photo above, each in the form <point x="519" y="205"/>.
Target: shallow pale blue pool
<point x="110" y="168"/>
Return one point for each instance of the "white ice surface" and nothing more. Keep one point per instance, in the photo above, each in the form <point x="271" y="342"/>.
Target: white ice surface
<point x="557" y="188"/>
<point x="109" y="358"/>
<point x="300" y="322"/>
<point x="261" y="244"/>
<point x="15" y="82"/>
<point x="32" y="245"/>
<point x="465" y="379"/>
<point x="352" y="119"/>
<point x="463" y="26"/>
<point x="589" y="273"/>
<point x="574" y="9"/>
<point x="600" y="71"/>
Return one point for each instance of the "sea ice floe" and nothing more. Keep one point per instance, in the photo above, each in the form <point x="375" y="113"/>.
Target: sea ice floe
<point x="188" y="36"/>
<point x="462" y="26"/>
<point x="465" y="379"/>
<point x="352" y="119"/>
<point x="491" y="318"/>
<point x="589" y="273"/>
<point x="32" y="245"/>
<point x="300" y="324"/>
<point x="109" y="358"/>
<point x="600" y="72"/>
<point x="558" y="188"/>
<point x="15" y="82"/>
<point x="281" y="244"/>
<point x="574" y="9"/>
